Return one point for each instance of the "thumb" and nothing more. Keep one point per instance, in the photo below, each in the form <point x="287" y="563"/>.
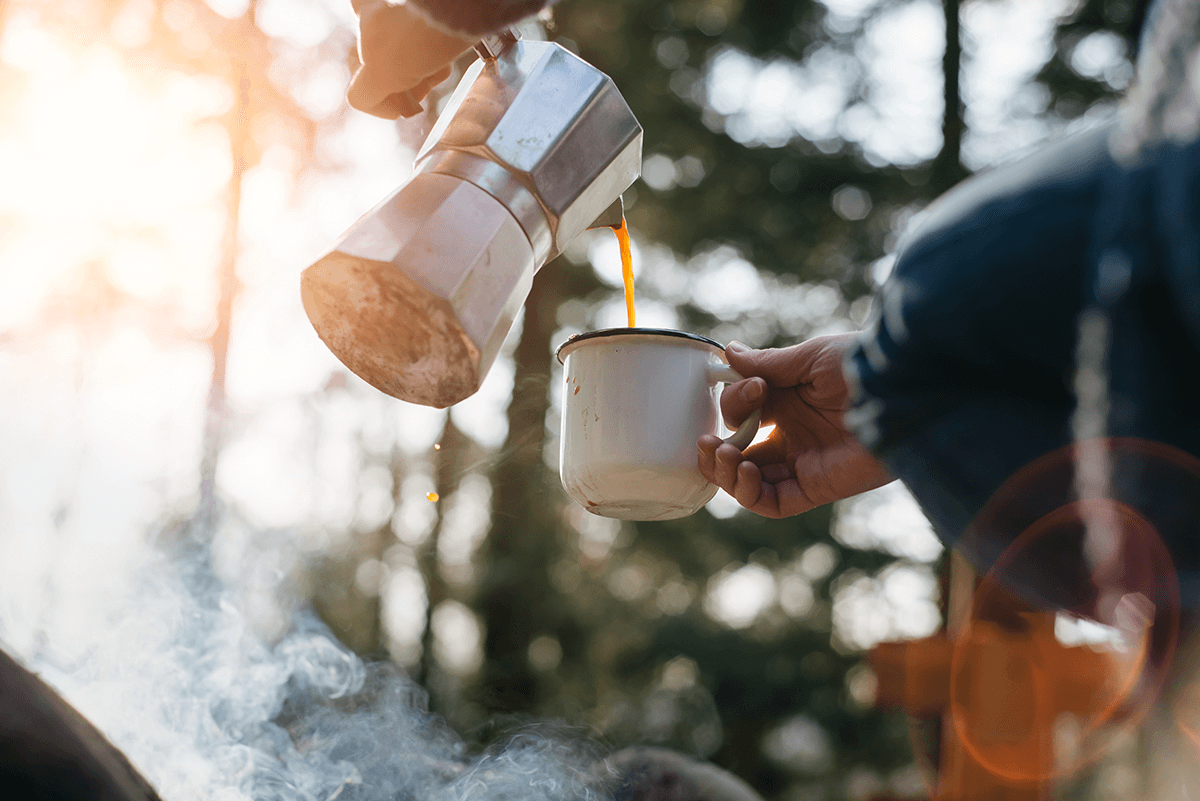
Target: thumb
<point x="815" y="364"/>
<point x="781" y="367"/>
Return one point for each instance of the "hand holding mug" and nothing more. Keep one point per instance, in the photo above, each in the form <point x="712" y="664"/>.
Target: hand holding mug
<point x="810" y="458"/>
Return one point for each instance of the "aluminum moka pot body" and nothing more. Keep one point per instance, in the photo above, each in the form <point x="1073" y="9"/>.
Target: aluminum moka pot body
<point x="535" y="146"/>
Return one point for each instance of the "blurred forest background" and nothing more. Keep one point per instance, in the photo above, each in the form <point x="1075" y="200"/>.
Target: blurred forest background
<point x="167" y="167"/>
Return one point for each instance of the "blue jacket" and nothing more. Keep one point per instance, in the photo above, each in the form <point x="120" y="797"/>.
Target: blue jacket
<point x="1047" y="302"/>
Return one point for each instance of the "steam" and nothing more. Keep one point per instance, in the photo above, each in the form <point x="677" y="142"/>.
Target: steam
<point x="206" y="707"/>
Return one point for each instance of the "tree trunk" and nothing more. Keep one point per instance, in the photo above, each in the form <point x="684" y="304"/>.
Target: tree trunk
<point x="237" y="125"/>
<point x="947" y="167"/>
<point x="450" y="464"/>
<point x="519" y="545"/>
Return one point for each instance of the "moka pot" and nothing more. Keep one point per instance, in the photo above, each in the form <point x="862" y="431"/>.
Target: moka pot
<point x="535" y="146"/>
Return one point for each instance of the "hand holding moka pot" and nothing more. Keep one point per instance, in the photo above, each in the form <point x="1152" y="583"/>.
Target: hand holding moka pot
<point x="534" y="147"/>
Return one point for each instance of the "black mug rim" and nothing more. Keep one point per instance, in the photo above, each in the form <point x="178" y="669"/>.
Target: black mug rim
<point x="626" y="331"/>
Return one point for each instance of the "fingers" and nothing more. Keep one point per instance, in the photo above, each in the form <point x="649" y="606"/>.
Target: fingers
<point x="718" y="462"/>
<point x="763" y="479"/>
<point x="406" y="104"/>
<point x="725" y="466"/>
<point x="740" y="399"/>
<point x="400" y="53"/>
<point x="749" y="485"/>
<point x="706" y="450"/>
<point x="367" y="88"/>
<point x="769" y="454"/>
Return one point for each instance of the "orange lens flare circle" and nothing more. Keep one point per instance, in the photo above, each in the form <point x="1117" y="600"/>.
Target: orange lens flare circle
<point x="1041" y="689"/>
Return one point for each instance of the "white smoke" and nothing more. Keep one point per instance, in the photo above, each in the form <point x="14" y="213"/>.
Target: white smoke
<point x="205" y="707"/>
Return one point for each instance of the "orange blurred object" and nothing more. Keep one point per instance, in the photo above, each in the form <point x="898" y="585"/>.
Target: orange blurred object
<point x="1005" y="692"/>
<point x="1029" y="696"/>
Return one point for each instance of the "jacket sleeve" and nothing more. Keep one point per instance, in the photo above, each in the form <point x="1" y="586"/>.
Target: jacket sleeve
<point x="965" y="376"/>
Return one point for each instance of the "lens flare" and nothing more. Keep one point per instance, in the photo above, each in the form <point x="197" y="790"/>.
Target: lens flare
<point x="1075" y="624"/>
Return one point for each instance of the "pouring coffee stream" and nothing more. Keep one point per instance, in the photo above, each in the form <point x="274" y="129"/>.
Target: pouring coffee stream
<point x="622" y="233"/>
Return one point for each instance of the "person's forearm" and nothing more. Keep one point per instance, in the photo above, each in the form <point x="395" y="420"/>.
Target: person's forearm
<point x="468" y="17"/>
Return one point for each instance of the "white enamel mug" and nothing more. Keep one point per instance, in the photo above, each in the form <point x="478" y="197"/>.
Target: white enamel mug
<point x="635" y="401"/>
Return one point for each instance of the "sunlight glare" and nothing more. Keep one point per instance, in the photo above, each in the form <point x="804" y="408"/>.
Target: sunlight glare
<point x="457" y="638"/>
<point x="133" y="25"/>
<point x="726" y="284"/>
<point x="1006" y="43"/>
<point x="887" y="519"/>
<point x="723" y="506"/>
<point x="903" y="51"/>
<point x="849" y="8"/>
<point x="736" y="598"/>
<point x="230" y="9"/>
<point x="303" y="24"/>
<point x="112" y="169"/>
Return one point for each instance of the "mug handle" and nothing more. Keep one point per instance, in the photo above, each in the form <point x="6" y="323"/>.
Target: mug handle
<point x="721" y="373"/>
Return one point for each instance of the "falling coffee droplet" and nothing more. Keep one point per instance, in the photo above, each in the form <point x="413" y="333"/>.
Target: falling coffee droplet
<point x="432" y="496"/>
<point x="437" y="446"/>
